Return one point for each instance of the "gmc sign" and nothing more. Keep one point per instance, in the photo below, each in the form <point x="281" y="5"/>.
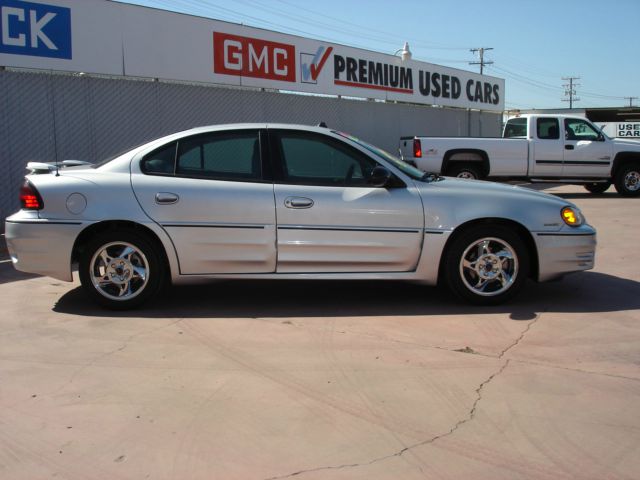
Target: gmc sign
<point x="252" y="57"/>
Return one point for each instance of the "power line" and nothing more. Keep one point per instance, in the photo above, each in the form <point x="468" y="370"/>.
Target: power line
<point x="631" y="99"/>
<point x="570" y="90"/>
<point x="482" y="63"/>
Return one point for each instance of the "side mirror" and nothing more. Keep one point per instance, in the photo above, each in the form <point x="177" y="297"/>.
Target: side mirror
<point x="379" y="177"/>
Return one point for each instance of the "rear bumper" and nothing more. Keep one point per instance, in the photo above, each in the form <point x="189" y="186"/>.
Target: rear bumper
<point x="41" y="246"/>
<point x="565" y="252"/>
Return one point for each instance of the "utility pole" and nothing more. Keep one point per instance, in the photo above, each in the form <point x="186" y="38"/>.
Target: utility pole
<point x="631" y="99"/>
<point x="482" y="63"/>
<point x="570" y="90"/>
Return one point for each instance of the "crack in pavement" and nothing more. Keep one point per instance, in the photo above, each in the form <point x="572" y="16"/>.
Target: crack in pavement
<point x="470" y="416"/>
<point x="500" y="355"/>
<point x="577" y="370"/>
<point x="519" y="339"/>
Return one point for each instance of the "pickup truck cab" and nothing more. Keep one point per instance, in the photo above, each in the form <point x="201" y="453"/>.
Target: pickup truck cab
<point x="537" y="148"/>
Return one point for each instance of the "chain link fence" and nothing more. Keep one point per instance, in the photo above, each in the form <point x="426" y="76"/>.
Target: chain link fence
<point x="54" y="117"/>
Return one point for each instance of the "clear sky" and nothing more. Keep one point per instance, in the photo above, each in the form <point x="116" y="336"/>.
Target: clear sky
<point x="535" y="42"/>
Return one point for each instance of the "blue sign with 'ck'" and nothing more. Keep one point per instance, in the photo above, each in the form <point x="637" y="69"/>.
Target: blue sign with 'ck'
<point x="35" y="29"/>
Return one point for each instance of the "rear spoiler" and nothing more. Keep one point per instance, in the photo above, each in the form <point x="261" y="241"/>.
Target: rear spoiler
<point x="36" y="168"/>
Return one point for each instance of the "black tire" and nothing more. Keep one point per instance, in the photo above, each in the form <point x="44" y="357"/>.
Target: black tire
<point x="597" y="188"/>
<point x="627" y="180"/>
<point x="121" y="269"/>
<point x="464" y="170"/>
<point x="494" y="272"/>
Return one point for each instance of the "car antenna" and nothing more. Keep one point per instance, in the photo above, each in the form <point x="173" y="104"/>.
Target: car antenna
<point x="322" y="124"/>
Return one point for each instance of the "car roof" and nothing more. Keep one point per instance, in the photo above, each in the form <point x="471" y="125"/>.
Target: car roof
<point x="245" y="126"/>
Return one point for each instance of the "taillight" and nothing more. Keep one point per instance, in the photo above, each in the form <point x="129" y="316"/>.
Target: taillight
<point x="30" y="198"/>
<point x="417" y="148"/>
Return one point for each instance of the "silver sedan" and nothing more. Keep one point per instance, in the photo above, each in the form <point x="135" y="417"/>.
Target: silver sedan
<point x="285" y="202"/>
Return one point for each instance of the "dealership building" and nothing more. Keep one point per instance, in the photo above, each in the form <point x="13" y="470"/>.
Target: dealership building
<point x="87" y="79"/>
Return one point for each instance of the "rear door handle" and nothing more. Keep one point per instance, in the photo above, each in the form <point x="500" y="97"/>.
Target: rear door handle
<point x="569" y="147"/>
<point x="166" y="198"/>
<point x="298" y="202"/>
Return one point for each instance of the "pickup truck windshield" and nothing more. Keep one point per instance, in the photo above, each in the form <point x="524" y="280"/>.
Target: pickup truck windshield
<point x="395" y="161"/>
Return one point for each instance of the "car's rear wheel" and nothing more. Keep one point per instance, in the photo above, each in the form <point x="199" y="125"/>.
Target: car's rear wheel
<point x="627" y="180"/>
<point x="597" y="187"/>
<point x="121" y="269"/>
<point x="464" y="170"/>
<point x="486" y="265"/>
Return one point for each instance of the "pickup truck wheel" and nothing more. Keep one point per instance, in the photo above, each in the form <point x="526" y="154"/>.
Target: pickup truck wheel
<point x="464" y="170"/>
<point x="597" y="187"/>
<point x="121" y="269"/>
<point x="627" y="180"/>
<point x="486" y="265"/>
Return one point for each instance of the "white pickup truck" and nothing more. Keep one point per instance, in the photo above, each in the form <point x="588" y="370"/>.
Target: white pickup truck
<point x="537" y="148"/>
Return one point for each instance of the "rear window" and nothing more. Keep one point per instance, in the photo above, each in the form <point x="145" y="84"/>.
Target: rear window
<point x="516" y="127"/>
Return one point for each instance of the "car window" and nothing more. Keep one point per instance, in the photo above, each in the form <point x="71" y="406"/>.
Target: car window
<point x="577" y="129"/>
<point x="515" y="127"/>
<point x="404" y="167"/>
<point x="160" y="161"/>
<point x="547" y="128"/>
<point x="312" y="159"/>
<point x="220" y="155"/>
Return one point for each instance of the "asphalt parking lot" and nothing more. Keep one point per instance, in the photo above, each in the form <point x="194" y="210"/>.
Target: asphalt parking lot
<point x="312" y="380"/>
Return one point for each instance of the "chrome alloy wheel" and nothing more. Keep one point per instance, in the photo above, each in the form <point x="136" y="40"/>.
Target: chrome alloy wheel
<point x="489" y="267"/>
<point x="466" y="174"/>
<point x="632" y="181"/>
<point x="119" y="271"/>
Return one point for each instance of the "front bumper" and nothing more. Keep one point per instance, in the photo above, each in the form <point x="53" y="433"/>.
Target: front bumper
<point x="41" y="246"/>
<point x="565" y="252"/>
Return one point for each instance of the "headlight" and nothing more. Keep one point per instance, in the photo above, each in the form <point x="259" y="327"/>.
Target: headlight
<point x="572" y="216"/>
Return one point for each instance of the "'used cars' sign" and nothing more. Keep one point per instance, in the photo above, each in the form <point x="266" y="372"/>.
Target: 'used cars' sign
<point x="628" y="130"/>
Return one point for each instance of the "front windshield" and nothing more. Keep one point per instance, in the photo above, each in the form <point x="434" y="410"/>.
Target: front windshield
<point x="395" y="161"/>
<point x="600" y="128"/>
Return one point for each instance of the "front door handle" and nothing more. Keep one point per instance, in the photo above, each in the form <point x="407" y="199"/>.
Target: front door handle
<point x="569" y="147"/>
<point x="166" y="198"/>
<point x="298" y="202"/>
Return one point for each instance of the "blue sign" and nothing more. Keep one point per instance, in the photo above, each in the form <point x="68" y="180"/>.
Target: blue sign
<point x="35" y="29"/>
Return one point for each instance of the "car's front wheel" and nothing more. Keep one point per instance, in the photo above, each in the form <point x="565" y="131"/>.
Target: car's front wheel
<point x="486" y="265"/>
<point x="121" y="269"/>
<point x="627" y="180"/>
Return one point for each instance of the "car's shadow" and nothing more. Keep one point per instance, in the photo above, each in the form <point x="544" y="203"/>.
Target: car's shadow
<point x="611" y="195"/>
<point x="582" y="292"/>
<point x="9" y="274"/>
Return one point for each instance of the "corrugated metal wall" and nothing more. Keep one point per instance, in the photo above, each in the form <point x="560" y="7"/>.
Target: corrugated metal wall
<point x="48" y="117"/>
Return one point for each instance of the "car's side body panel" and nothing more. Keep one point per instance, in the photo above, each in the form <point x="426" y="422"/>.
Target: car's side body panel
<point x="216" y="226"/>
<point x="348" y="229"/>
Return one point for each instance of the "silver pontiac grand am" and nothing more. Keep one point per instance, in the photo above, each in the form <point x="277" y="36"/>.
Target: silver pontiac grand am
<point x="285" y="202"/>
